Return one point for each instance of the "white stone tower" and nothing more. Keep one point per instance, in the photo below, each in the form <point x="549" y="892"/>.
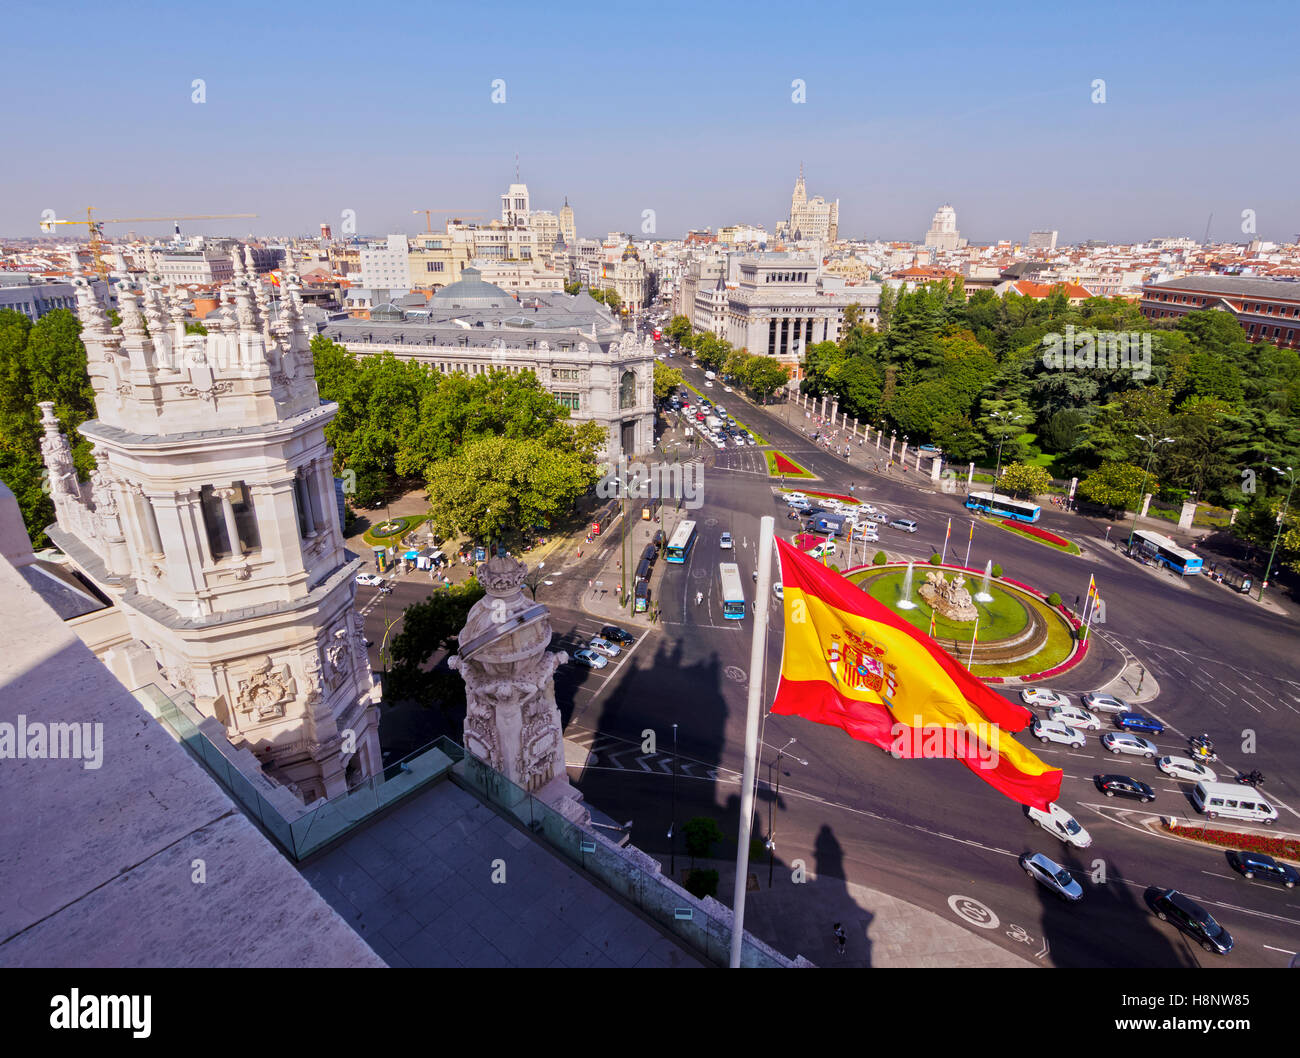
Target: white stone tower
<point x="211" y="522"/>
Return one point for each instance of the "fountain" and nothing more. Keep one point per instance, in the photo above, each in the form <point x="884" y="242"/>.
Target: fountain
<point x="983" y="594"/>
<point x="905" y="602"/>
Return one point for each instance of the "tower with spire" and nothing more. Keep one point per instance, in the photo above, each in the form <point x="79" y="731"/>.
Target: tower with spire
<point x="211" y="523"/>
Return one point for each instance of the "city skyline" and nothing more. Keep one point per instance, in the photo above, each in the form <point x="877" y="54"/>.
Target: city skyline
<point x="987" y="117"/>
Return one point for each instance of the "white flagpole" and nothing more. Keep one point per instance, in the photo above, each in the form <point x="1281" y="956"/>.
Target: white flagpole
<point x="757" y="663"/>
<point x="1087" y="602"/>
<point x="944" y="557"/>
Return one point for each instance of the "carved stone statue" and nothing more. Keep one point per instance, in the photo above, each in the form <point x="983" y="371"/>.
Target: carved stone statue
<point x="266" y="692"/>
<point x="512" y="721"/>
<point x="950" y="599"/>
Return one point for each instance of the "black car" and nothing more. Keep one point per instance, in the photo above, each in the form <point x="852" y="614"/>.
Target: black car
<point x="1257" y="865"/>
<point x="1125" y="786"/>
<point x="616" y="635"/>
<point x="1194" y="920"/>
<point x="660" y="538"/>
<point x="650" y="554"/>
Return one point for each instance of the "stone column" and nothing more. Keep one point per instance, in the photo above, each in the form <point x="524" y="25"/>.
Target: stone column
<point x="902" y="456"/>
<point x="1186" y="515"/>
<point x="835" y="410"/>
<point x="1146" y="502"/>
<point x="228" y="512"/>
<point x="936" y="466"/>
<point x="970" y="474"/>
<point x="879" y="434"/>
<point x="325" y="493"/>
<point x="918" y="461"/>
<point x="1232" y="515"/>
<point x="855" y="427"/>
<point x="150" y="522"/>
<point x="892" y="441"/>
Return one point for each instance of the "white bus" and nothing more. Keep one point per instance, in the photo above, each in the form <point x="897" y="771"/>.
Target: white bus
<point x="679" y="545"/>
<point x="733" y="593"/>
<point x="1167" y="553"/>
<point x="993" y="503"/>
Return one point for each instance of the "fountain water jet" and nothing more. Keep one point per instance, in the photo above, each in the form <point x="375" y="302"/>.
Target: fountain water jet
<point x="905" y="602"/>
<point x="983" y="594"/>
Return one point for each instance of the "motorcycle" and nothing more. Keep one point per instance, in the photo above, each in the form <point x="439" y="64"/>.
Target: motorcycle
<point x="1254" y="778"/>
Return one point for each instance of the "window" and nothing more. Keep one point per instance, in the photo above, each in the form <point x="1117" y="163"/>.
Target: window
<point x="627" y="390"/>
<point x="433" y="266"/>
<point x="566" y="374"/>
<point x="568" y="400"/>
<point x="214" y="519"/>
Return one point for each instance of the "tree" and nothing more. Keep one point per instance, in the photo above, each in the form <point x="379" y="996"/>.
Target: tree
<point x="700" y="833"/>
<point x="501" y="487"/>
<point x="1025" y="479"/>
<point x="885" y="311"/>
<point x="427" y="628"/>
<point x="612" y="299"/>
<point x="1117" y="485"/>
<point x="764" y="376"/>
<point x="678" y="328"/>
<point x="667" y="380"/>
<point x="572" y="288"/>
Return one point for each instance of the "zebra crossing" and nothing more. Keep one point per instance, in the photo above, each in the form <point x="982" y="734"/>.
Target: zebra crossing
<point x="591" y="749"/>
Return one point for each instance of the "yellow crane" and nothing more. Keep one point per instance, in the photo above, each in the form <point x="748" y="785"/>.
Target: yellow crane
<point x="96" y="229"/>
<point x="429" y="214"/>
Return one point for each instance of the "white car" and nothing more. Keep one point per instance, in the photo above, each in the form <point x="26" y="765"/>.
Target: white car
<point x="1042" y="696"/>
<point x="1127" y="742"/>
<point x="1051" y="875"/>
<point x="1185" y="768"/>
<point x="726" y="542"/>
<point x="778" y="589"/>
<point x="708" y="384"/>
<point x="726" y="389"/>
<point x="604" y="646"/>
<point x="1075" y="717"/>
<point x="795" y="497"/>
<point x="371" y="579"/>
<point x="826" y="547"/>
<point x="1051" y="731"/>
<point x="1060" y="824"/>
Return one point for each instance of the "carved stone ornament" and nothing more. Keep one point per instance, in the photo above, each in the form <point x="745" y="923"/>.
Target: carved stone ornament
<point x="337" y="662"/>
<point x="206" y="394"/>
<point x="266" y="692"/>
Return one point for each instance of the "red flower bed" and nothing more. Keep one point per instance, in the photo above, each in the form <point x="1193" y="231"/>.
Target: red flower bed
<point x="832" y="495"/>
<point x="1033" y="530"/>
<point x="784" y="466"/>
<point x="1282" y="848"/>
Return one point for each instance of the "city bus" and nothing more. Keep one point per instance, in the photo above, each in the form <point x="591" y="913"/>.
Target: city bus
<point x="658" y="334"/>
<point x="733" y="594"/>
<point x="1166" y="552"/>
<point x="993" y="503"/>
<point x="679" y="544"/>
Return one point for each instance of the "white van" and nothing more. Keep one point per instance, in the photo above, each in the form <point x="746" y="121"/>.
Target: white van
<point x="710" y="375"/>
<point x="826" y="547"/>
<point x="1233" y="802"/>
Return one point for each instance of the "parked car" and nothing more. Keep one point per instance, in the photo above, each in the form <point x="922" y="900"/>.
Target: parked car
<point x="370" y="579"/>
<point x="1185" y="768"/>
<point x="1075" y="717"/>
<point x="1124" y="742"/>
<point x="778" y="589"/>
<point x="905" y="525"/>
<point x="1050" y="731"/>
<point x="1042" y="696"/>
<point x="1052" y="876"/>
<point x="604" y="646"/>
<point x="725" y="542"/>
<point x="616" y="635"/>
<point x="589" y="659"/>
<point x="1105" y="703"/>
<point x="1194" y="920"/>
<point x="1138" y="722"/>
<point x="1060" y="824"/>
<point x="1257" y="865"/>
<point x="1125" y="786"/>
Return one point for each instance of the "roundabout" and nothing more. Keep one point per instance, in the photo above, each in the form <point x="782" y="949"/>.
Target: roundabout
<point x="1014" y="632"/>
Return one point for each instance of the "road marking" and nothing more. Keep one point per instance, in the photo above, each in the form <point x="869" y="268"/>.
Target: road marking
<point x="1282" y="950"/>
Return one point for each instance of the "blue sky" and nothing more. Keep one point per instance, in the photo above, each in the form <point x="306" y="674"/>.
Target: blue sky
<point x="683" y="108"/>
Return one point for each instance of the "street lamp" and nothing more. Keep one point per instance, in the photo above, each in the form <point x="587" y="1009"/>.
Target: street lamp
<point x="771" y="812"/>
<point x="1281" y="521"/>
<point x="1002" y="436"/>
<point x="672" y="826"/>
<point x="1152" y="441"/>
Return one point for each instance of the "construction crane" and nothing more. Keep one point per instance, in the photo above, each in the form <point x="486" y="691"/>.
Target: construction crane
<point x="452" y="213"/>
<point x="96" y="229"/>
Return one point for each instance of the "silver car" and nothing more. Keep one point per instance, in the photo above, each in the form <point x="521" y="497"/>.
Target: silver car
<point x="604" y="646"/>
<point x="1127" y="742"/>
<point x="1051" y="875"/>
<point x="1105" y="703"/>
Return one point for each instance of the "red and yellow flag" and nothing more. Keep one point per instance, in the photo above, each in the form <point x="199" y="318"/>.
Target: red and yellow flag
<point x="851" y="662"/>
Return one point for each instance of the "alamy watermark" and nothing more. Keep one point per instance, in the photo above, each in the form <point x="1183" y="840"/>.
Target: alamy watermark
<point x="970" y="741"/>
<point x="654" y="481"/>
<point x="1111" y="350"/>
<point x="40" y="741"/>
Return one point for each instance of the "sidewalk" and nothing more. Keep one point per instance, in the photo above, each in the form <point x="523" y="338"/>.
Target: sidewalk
<point x="884" y="932"/>
<point x="600" y="597"/>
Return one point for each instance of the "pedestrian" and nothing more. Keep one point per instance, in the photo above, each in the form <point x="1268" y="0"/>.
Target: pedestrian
<point x="853" y="486"/>
<point x="841" y="939"/>
<point x="447" y="582"/>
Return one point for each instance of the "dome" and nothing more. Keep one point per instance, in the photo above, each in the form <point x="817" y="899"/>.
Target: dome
<point x="630" y="253"/>
<point x="472" y="292"/>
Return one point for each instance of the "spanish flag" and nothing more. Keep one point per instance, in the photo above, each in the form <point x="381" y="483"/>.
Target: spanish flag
<point x="852" y="663"/>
